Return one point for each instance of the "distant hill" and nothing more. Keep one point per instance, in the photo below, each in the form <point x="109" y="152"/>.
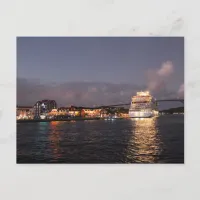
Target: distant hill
<point x="174" y="110"/>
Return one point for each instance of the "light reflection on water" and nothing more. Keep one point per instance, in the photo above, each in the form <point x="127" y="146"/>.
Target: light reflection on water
<point x="144" y="145"/>
<point x="151" y="140"/>
<point x="55" y="138"/>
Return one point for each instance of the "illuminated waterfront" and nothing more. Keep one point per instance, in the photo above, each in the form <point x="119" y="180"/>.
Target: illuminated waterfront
<point x="152" y="140"/>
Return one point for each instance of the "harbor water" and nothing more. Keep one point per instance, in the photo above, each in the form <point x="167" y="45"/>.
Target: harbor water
<point x="151" y="140"/>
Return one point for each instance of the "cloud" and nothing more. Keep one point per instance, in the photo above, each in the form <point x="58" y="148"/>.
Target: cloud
<point x="166" y="69"/>
<point x="81" y="93"/>
<point x="181" y="91"/>
<point x="74" y="93"/>
<point x="158" y="79"/>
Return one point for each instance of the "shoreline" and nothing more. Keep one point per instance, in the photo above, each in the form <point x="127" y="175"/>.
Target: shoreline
<point x="53" y="120"/>
<point x="78" y="119"/>
<point x="63" y="120"/>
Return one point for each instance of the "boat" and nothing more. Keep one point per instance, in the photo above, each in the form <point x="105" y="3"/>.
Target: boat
<point x="143" y="105"/>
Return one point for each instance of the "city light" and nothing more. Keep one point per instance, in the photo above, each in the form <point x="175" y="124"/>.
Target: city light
<point x="143" y="105"/>
<point x="42" y="116"/>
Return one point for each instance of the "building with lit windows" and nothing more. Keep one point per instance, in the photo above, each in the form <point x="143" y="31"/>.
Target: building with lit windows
<point x="42" y="108"/>
<point x="60" y="112"/>
<point x="24" y="112"/>
<point x="89" y="112"/>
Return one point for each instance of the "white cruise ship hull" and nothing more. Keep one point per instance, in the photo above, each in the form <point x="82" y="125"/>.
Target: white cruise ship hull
<point x="138" y="114"/>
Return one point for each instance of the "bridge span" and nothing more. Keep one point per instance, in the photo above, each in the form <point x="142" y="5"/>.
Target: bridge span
<point x="126" y="104"/>
<point x="180" y="100"/>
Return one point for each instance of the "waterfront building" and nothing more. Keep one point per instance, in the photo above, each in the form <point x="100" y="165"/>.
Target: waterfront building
<point x="103" y="113"/>
<point x="63" y="111"/>
<point x="24" y="112"/>
<point x="90" y="112"/>
<point x="74" y="111"/>
<point x="42" y="108"/>
<point x="53" y="113"/>
<point x="48" y="109"/>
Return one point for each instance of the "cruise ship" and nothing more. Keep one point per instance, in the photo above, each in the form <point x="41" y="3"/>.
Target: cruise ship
<point x="143" y="105"/>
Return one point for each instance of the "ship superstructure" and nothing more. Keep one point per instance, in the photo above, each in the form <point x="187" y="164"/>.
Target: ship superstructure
<point x="143" y="105"/>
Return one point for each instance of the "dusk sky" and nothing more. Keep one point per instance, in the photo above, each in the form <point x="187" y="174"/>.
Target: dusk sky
<point x="98" y="71"/>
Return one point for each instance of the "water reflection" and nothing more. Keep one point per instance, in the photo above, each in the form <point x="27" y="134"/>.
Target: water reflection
<point x="158" y="140"/>
<point x="145" y="145"/>
<point x="55" y="138"/>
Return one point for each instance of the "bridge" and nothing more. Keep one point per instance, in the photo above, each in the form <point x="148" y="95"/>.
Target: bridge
<point x="180" y="100"/>
<point x="126" y="104"/>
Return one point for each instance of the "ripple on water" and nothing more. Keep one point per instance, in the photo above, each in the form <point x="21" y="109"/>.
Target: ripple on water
<point x="158" y="140"/>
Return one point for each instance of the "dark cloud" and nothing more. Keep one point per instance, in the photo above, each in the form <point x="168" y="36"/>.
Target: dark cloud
<point x="79" y="93"/>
